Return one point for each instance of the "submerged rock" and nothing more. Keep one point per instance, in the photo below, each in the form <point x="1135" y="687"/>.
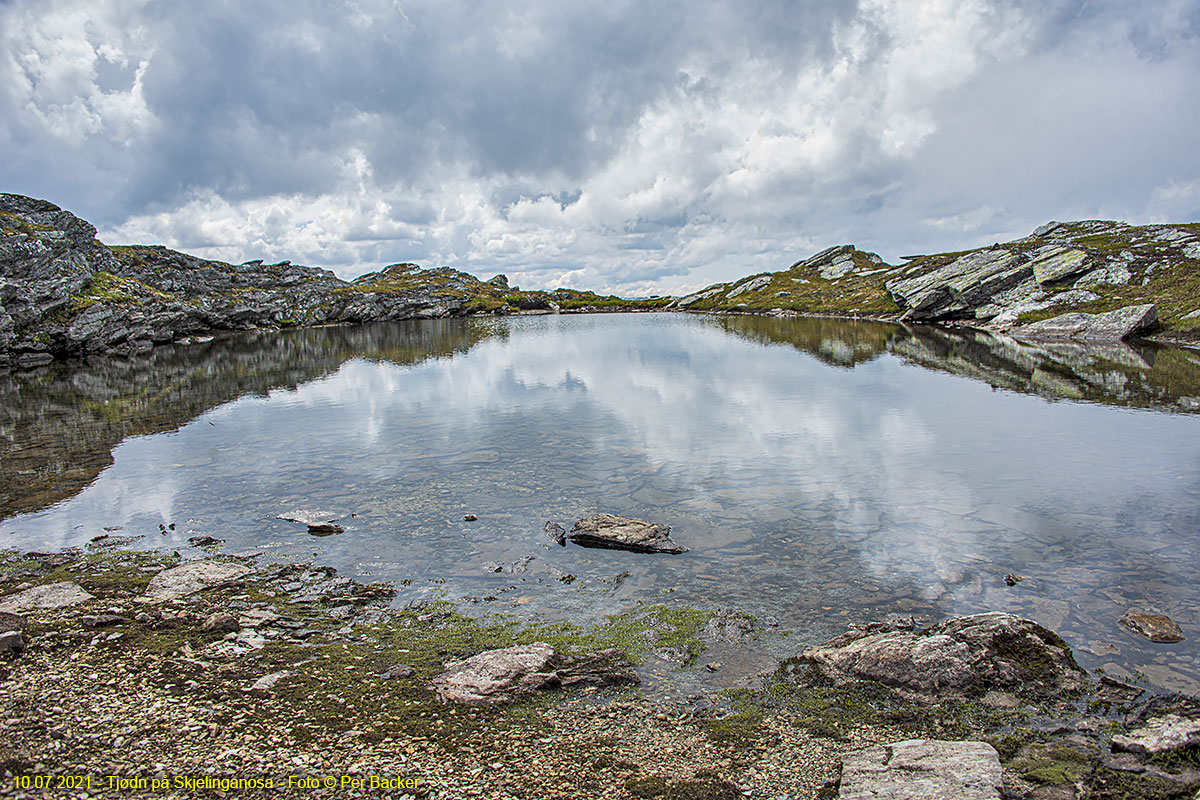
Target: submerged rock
<point x="504" y="674"/>
<point x="624" y="533"/>
<point x="923" y="768"/>
<point x="190" y="578"/>
<point x="1119" y="324"/>
<point x="971" y="654"/>
<point x="48" y="596"/>
<point x="728" y="627"/>
<point x="1155" y="627"/>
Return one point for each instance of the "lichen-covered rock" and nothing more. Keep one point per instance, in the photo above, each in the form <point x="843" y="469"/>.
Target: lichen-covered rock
<point x="624" y="533"/>
<point x="508" y="672"/>
<point x="968" y="655"/>
<point x="195" y="576"/>
<point x="923" y="769"/>
<point x="1058" y="263"/>
<point x="47" y="596"/>
<point x="1117" y="324"/>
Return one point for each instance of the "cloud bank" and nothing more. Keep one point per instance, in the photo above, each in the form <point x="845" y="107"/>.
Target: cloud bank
<point x="632" y="147"/>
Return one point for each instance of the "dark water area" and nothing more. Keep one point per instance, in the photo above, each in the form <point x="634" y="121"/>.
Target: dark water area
<point x="821" y="472"/>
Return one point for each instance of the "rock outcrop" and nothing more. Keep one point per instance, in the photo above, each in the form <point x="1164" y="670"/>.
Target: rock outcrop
<point x="966" y="655"/>
<point x="65" y="294"/>
<point x="506" y="673"/>
<point x="624" y="533"/>
<point x="1093" y="266"/>
<point x="923" y="768"/>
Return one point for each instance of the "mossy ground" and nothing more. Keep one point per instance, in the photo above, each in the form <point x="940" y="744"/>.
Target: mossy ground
<point x="106" y="287"/>
<point x="803" y="290"/>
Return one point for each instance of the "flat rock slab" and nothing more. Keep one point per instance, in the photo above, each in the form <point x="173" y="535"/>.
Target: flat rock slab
<point x="190" y="578"/>
<point x="48" y="596"/>
<point x="1155" y="627"/>
<point x="320" y="523"/>
<point x="923" y="769"/>
<point x="504" y="674"/>
<point x="1159" y="735"/>
<point x="1119" y="324"/>
<point x="624" y="533"/>
<point x="970" y="654"/>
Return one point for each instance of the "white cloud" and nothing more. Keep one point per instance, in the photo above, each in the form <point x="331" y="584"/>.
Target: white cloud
<point x="619" y="148"/>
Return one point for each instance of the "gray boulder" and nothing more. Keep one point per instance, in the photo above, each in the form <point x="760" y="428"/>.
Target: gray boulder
<point x="624" y="533"/>
<point x="1118" y="324"/>
<point x="505" y="674"/>
<point x="48" y="596"/>
<point x="964" y="655"/>
<point x="923" y="769"/>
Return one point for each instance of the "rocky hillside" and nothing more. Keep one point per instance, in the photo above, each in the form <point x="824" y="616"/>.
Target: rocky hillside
<point x="65" y="294"/>
<point x="1090" y="267"/>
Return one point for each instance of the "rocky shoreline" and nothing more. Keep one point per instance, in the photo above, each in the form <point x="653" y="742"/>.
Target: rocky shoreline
<point x="125" y="667"/>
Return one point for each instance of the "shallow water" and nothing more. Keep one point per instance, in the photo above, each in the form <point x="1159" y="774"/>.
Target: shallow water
<point x="822" y="472"/>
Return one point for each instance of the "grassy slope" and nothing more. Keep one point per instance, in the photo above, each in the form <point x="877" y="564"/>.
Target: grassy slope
<point x="1161" y="273"/>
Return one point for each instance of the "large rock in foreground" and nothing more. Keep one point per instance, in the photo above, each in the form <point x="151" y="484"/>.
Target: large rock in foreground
<point x="967" y="655"/>
<point x="923" y="768"/>
<point x="504" y="674"/>
<point x="1111" y="325"/>
<point x="624" y="533"/>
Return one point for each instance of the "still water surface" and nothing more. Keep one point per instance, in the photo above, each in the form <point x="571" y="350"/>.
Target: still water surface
<point x="821" y="472"/>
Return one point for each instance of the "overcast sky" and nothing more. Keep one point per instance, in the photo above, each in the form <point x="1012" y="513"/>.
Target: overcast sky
<point x="636" y="147"/>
